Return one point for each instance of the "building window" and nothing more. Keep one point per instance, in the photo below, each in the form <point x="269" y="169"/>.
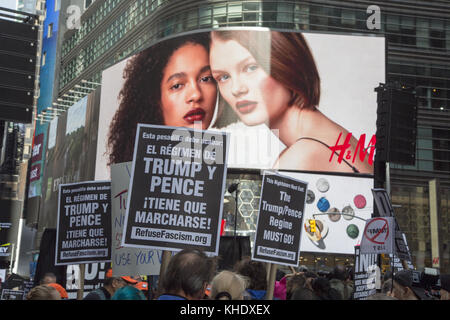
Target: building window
<point x="50" y="30"/>
<point x="348" y="17"/>
<point x="87" y="3"/>
<point x="408" y="31"/>
<point x="44" y="56"/>
<point x="57" y="5"/>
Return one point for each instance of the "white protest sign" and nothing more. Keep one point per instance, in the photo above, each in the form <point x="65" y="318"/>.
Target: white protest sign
<point x="378" y="236"/>
<point x="127" y="260"/>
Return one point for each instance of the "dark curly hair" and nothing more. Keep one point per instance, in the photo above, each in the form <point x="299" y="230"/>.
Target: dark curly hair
<point x="255" y="271"/>
<point x="140" y="96"/>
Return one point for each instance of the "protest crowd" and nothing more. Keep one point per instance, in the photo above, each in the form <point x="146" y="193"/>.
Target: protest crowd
<point x="192" y="275"/>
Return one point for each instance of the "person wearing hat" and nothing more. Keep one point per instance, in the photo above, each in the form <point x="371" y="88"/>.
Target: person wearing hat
<point x="60" y="289"/>
<point x="111" y="285"/>
<point x="403" y="288"/>
<point x="445" y="286"/>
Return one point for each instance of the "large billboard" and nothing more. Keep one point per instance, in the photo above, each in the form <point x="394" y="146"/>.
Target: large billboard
<point x="290" y="100"/>
<point x="69" y="154"/>
<point x="340" y="204"/>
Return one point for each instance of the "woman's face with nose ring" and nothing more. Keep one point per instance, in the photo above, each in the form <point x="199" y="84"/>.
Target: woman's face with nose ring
<point x="254" y="95"/>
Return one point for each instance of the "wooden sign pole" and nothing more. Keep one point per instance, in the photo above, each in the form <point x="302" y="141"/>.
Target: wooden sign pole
<point x="165" y="259"/>
<point x="80" y="291"/>
<point x="271" y="282"/>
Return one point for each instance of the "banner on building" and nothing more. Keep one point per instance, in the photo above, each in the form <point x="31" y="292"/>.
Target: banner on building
<point x="176" y="189"/>
<point x="332" y="76"/>
<point x="84" y="223"/>
<point x="69" y="156"/>
<point x="279" y="225"/>
<point x="127" y="261"/>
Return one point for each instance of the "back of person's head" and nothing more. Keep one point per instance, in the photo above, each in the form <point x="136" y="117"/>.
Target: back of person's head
<point x="321" y="287"/>
<point x="403" y="286"/>
<point x="280" y="274"/>
<point x="188" y="271"/>
<point x="128" y="293"/>
<point x="303" y="268"/>
<point x="339" y="273"/>
<point x="43" y="292"/>
<point x="255" y="271"/>
<point x="386" y="287"/>
<point x="294" y="282"/>
<point x="60" y="289"/>
<point x="228" y="285"/>
<point x="108" y="281"/>
<point x="48" y="277"/>
<point x="303" y="294"/>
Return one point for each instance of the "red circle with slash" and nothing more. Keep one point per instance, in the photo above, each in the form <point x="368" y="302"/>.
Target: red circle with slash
<point x="384" y="226"/>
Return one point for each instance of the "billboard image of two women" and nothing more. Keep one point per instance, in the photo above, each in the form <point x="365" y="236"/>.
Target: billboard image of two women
<point x="291" y="100"/>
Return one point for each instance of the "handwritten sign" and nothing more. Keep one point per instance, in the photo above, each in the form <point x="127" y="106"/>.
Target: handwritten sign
<point x="127" y="260"/>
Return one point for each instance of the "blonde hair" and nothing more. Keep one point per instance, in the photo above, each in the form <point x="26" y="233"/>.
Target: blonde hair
<point x="228" y="282"/>
<point x="43" y="292"/>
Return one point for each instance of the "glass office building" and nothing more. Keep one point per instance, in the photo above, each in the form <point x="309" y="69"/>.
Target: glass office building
<point x="418" y="56"/>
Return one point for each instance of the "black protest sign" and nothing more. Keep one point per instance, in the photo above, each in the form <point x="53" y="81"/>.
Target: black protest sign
<point x="401" y="248"/>
<point x="279" y="225"/>
<point x="365" y="274"/>
<point x="176" y="189"/>
<point x="8" y="294"/>
<point x="84" y="223"/>
<point x="383" y="203"/>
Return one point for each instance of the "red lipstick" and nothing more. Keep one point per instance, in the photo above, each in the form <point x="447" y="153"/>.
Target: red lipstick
<point x="197" y="114"/>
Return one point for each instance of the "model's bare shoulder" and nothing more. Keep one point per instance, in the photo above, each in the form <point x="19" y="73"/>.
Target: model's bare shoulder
<point x="305" y="155"/>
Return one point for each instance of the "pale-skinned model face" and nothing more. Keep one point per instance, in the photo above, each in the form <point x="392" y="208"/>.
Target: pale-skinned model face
<point x="188" y="90"/>
<point x="254" y="95"/>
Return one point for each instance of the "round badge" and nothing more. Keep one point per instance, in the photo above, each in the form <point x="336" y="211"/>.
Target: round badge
<point x="348" y="213"/>
<point x="323" y="204"/>
<point x="360" y="201"/>
<point x="322" y="185"/>
<point x="334" y="214"/>
<point x="353" y="231"/>
<point x="310" y="196"/>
